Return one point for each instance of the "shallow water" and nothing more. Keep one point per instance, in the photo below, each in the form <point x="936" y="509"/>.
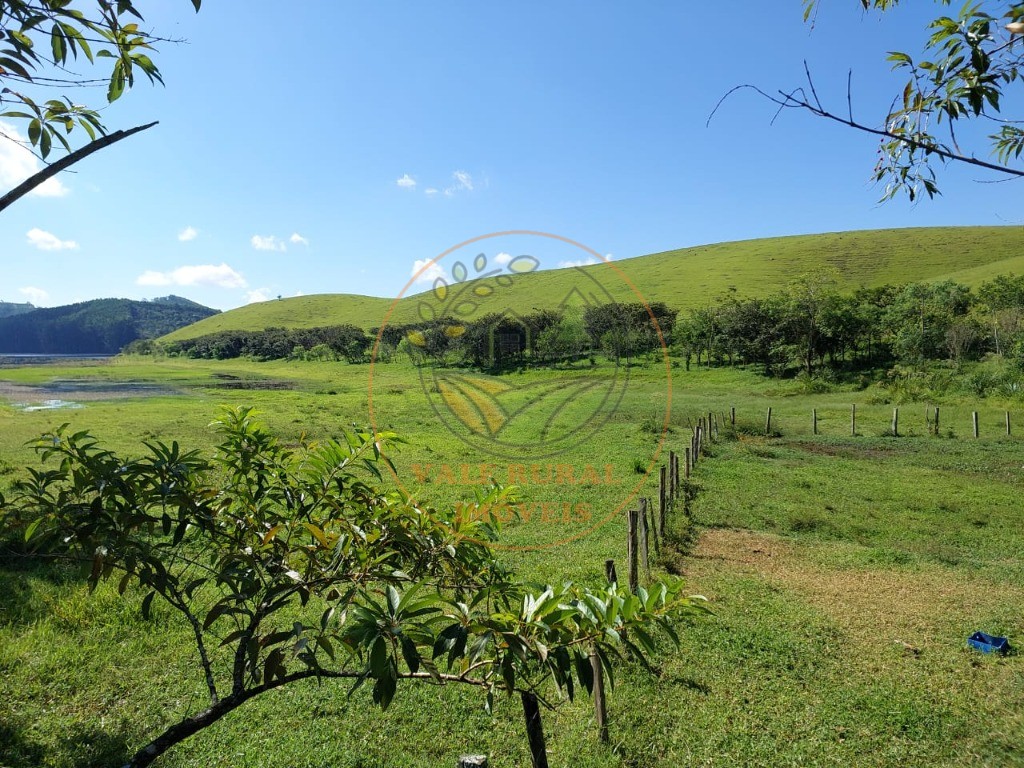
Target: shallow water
<point x="48" y="405"/>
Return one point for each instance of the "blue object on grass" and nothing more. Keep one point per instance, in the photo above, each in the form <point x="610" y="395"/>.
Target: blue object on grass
<point x="989" y="643"/>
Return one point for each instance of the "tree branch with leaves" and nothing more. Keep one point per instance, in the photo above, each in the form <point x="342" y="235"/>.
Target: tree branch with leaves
<point x="40" y="42"/>
<point x="291" y="564"/>
<point x="970" y="63"/>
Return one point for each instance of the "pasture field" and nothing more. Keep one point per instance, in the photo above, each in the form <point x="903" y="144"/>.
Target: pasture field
<point x="844" y="573"/>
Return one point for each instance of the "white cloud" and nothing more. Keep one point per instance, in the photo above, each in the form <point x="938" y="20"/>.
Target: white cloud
<point x="297" y="239"/>
<point x="188" y="233"/>
<point x="578" y="262"/>
<point x="430" y="191"/>
<point x="260" y="294"/>
<point x="219" y="276"/>
<point x="406" y="182"/>
<point x="17" y="163"/>
<point x="503" y="258"/>
<point x="463" y="182"/>
<point x="267" y="243"/>
<point x="431" y="271"/>
<point x="45" y="241"/>
<point x="36" y="296"/>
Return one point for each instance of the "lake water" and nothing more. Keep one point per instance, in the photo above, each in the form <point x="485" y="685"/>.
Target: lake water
<point x="15" y="360"/>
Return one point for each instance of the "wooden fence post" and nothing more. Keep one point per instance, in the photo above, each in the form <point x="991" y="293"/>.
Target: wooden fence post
<point x="662" y="503"/>
<point x="853" y="421"/>
<point x="974" y="420"/>
<point x="687" y="465"/>
<point x="768" y="422"/>
<point x="609" y="572"/>
<point x="936" y="424"/>
<point x="895" y="422"/>
<point x="632" y="545"/>
<point x="1007" y="423"/>
<point x="814" y="421"/>
<point x="711" y="428"/>
<point x="732" y="415"/>
<point x="675" y="473"/>
<point x="671" y="475"/>
<point x="645" y="539"/>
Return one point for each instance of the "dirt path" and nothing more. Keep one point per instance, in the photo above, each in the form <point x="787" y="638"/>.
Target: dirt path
<point x="912" y="606"/>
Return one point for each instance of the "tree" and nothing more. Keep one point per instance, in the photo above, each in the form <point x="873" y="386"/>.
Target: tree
<point x="920" y="316"/>
<point x="973" y="59"/>
<point x="290" y="565"/>
<point x="1002" y="304"/>
<point x="42" y="39"/>
<point x="567" y="341"/>
<point x="808" y="301"/>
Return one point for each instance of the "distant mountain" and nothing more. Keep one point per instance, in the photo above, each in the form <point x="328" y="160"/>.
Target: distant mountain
<point x="101" y="326"/>
<point x="8" y="308"/>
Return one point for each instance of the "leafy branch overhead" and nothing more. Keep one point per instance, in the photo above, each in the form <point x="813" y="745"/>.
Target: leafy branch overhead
<point x="970" y="62"/>
<point x="294" y="563"/>
<point x="43" y="39"/>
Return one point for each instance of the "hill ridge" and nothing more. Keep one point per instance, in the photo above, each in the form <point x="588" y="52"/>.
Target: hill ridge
<point x="96" y="326"/>
<point x="692" y="276"/>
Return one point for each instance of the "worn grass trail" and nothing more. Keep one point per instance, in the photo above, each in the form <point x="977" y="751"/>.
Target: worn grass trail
<point x="847" y="575"/>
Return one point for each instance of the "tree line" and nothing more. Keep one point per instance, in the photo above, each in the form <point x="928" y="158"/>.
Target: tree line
<point x="491" y="342"/>
<point x="811" y="325"/>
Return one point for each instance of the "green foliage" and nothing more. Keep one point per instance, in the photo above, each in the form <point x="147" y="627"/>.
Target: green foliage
<point x="294" y="564"/>
<point x="47" y="40"/>
<point x="315" y="344"/>
<point x="747" y="269"/>
<point x="812" y="326"/>
<point x="971" y="61"/>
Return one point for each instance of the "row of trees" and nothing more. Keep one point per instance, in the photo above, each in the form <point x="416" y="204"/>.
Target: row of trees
<point x="811" y="324"/>
<point x="807" y="326"/>
<point x="494" y="341"/>
<point x="336" y="342"/>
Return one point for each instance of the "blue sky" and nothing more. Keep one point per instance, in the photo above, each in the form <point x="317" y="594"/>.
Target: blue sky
<point x="331" y="149"/>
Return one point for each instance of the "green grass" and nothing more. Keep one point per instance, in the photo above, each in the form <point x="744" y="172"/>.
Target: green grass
<point x="824" y="557"/>
<point x="685" y="278"/>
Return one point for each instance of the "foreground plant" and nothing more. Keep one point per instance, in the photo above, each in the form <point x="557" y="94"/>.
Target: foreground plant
<point x="297" y="564"/>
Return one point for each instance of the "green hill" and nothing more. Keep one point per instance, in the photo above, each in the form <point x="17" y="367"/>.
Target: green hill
<point x="100" y="326"/>
<point x="689" y="277"/>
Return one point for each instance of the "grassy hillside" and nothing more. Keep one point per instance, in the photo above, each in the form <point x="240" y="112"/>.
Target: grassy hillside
<point x="691" y="277"/>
